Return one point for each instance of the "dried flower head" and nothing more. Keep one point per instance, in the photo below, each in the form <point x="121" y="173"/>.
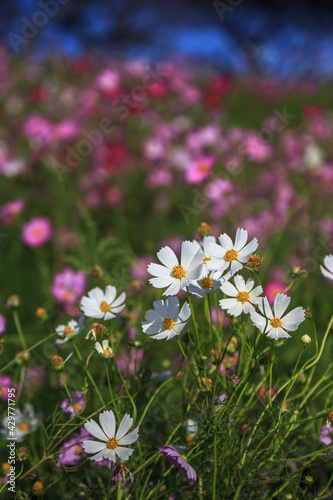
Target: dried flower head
<point x="41" y="313"/>
<point x="254" y="262"/>
<point x="58" y="363"/>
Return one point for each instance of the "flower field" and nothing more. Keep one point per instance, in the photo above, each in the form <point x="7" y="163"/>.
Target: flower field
<point x="166" y="239"/>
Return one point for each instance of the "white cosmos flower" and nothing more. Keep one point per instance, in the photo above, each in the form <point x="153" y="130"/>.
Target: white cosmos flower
<point x="165" y="321"/>
<point x="328" y="261"/>
<point x="103" y="305"/>
<point x="111" y="444"/>
<point x="104" y="350"/>
<point x="26" y="421"/>
<point x="173" y="275"/>
<point x="67" y="332"/>
<point x="205" y="284"/>
<point x="229" y="254"/>
<point x="276" y="325"/>
<point x="244" y="296"/>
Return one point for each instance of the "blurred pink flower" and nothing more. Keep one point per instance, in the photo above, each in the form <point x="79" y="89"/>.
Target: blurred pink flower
<point x="68" y="285"/>
<point x="37" y="232"/>
<point x="2" y="324"/>
<point x="256" y="149"/>
<point x="272" y="288"/>
<point x="198" y="170"/>
<point x="6" y="383"/>
<point x="38" y="128"/>
<point x="10" y="210"/>
<point x="159" y="177"/>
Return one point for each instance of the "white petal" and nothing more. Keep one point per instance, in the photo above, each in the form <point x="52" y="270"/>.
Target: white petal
<point x="119" y="301"/>
<point x="172" y="307"/>
<point x="247" y="308"/>
<point x="326" y="273"/>
<point x="215" y="250"/>
<point x="250" y="248"/>
<point x="108" y="423"/>
<point x="236" y="310"/>
<point x="226" y="242"/>
<point x="241" y="239"/>
<point x="278" y="333"/>
<point x="259" y="321"/>
<point x="124" y="426"/>
<point x="227" y="303"/>
<point x="97" y="295"/>
<point x="110" y="455"/>
<point x="167" y="257"/>
<point x="129" y="438"/>
<point x="281" y="302"/>
<point x="235" y="266"/>
<point x="173" y="288"/>
<point x="229" y="289"/>
<point x="268" y="310"/>
<point x="110" y="293"/>
<point x="185" y="312"/>
<point x="161" y="282"/>
<point x="99" y="456"/>
<point x="158" y="270"/>
<point x="187" y="253"/>
<point x="293" y="319"/>
<point x="123" y="453"/>
<point x="240" y="283"/>
<point x="94" y="429"/>
<point x="93" y="446"/>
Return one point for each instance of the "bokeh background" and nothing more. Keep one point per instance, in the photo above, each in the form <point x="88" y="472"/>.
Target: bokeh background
<point x="281" y="38"/>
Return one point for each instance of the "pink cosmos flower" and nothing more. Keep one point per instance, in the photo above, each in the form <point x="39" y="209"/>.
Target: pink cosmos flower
<point x="68" y="285"/>
<point x="179" y="462"/>
<point x="10" y="210"/>
<point x="2" y="325"/>
<point x="38" y="128"/>
<point x="71" y="452"/>
<point x="198" y="170"/>
<point x="159" y="177"/>
<point x="78" y="404"/>
<point x="272" y="288"/>
<point x="37" y="232"/>
<point x="256" y="149"/>
<point x="6" y="383"/>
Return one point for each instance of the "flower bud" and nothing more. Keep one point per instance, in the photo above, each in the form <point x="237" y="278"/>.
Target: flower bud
<point x="13" y="301"/>
<point x="204" y="229"/>
<point x="58" y="363"/>
<point x="96" y="272"/>
<point x="21" y="357"/>
<point x="206" y="383"/>
<point x="330" y="416"/>
<point x="306" y="339"/>
<point x="41" y="313"/>
<point x="37" y="488"/>
<point x="22" y="453"/>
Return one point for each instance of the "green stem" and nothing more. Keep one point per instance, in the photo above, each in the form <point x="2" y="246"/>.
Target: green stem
<point x="215" y="467"/>
<point x="110" y="389"/>
<point x="127" y="392"/>
<point x="89" y="375"/>
<point x="19" y="329"/>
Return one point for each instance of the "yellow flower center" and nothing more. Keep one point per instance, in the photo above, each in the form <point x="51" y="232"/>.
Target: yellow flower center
<point x="77" y="406"/>
<point x="276" y="322"/>
<point x="178" y="271"/>
<point x="169" y="323"/>
<point x="112" y="443"/>
<point x="206" y="259"/>
<point x="78" y="450"/>
<point x="107" y="351"/>
<point x="231" y="255"/>
<point x="207" y="282"/>
<point x="68" y="331"/>
<point x="243" y="297"/>
<point x="204" y="167"/>
<point x="105" y="307"/>
<point x="23" y="426"/>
